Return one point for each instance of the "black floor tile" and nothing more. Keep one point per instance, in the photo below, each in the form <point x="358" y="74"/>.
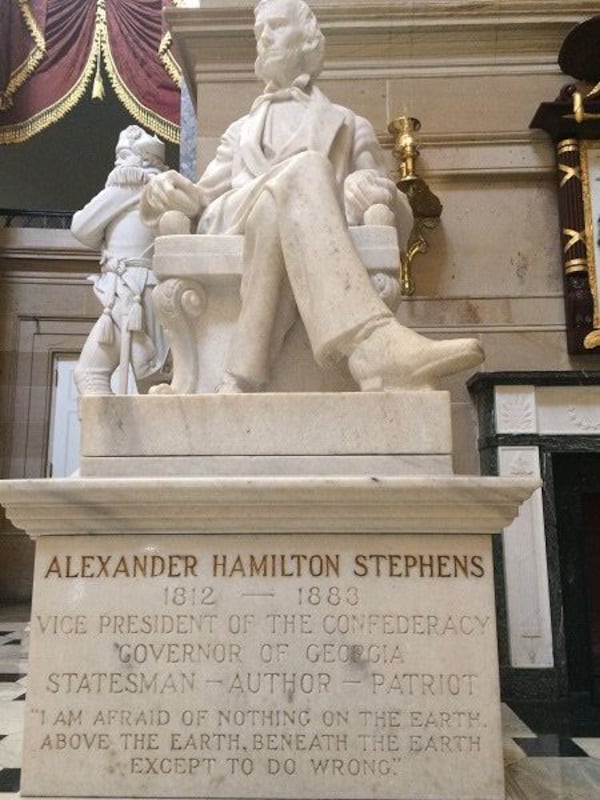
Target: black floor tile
<point x="572" y="717"/>
<point x="550" y="745"/>
<point x="10" y="780"/>
<point x="11" y="677"/>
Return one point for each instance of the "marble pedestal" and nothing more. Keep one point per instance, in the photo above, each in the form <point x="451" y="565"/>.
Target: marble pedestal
<point x="263" y="636"/>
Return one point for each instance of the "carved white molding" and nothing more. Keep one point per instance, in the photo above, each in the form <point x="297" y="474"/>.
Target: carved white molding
<point x="586" y="420"/>
<point x="568" y="410"/>
<point x="392" y="39"/>
<point x="474" y="155"/>
<point x="46" y="243"/>
<point x="525" y="568"/>
<point x="261" y="504"/>
<point x="515" y="409"/>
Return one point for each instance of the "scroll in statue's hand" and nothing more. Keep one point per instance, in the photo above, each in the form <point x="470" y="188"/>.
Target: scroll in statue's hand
<point x="365" y="188"/>
<point x="171" y="191"/>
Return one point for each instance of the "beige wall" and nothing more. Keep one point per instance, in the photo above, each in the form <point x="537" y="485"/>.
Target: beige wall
<point x="46" y="309"/>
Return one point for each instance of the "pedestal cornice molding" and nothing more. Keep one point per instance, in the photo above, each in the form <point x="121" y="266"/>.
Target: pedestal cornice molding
<point x="44" y="243"/>
<point x="366" y="36"/>
<point x="264" y="505"/>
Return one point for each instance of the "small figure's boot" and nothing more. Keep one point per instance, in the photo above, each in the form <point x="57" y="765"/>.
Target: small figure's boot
<point x="394" y="358"/>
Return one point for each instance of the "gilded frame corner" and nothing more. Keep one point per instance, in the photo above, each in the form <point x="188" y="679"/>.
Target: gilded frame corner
<point x="590" y="189"/>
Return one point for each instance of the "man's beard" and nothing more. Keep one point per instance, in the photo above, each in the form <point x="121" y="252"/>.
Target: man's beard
<point x="292" y="61"/>
<point x="131" y="176"/>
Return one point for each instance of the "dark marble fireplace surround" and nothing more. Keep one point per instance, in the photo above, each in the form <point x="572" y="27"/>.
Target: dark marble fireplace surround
<point x="571" y="458"/>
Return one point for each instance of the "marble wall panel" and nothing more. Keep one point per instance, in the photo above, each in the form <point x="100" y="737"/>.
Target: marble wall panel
<point x="470" y="313"/>
<point x="529" y="350"/>
<point x="189" y="135"/>
<point x="43" y="312"/>
<point x="465" y="457"/>
<point x="501" y="239"/>
<point x="365" y="96"/>
<point x="16" y="567"/>
<point x="474" y="103"/>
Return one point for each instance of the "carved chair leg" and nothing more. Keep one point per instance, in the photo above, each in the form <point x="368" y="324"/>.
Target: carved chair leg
<point x="179" y="304"/>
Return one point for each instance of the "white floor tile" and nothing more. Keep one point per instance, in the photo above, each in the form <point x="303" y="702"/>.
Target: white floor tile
<point x="554" y="779"/>
<point x="512" y="725"/>
<point x="589" y="746"/>
<point x="11" y="752"/>
<point x="11" y="717"/>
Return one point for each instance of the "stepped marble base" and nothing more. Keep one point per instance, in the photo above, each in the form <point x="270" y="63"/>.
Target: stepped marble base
<point x="286" y="635"/>
<point x="344" y="433"/>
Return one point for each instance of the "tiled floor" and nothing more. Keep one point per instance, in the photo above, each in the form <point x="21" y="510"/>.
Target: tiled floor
<point x="13" y="684"/>
<point x="556" y="756"/>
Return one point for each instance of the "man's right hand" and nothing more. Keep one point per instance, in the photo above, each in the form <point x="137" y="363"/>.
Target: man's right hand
<point x="170" y="191"/>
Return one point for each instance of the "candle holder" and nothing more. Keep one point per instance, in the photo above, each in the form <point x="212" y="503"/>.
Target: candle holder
<point x="425" y="205"/>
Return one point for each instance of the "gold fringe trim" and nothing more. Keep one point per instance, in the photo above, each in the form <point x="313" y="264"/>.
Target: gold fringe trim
<point x="32" y="26"/>
<point x="165" y="54"/>
<point x="15" y="134"/>
<point x="168" y="60"/>
<point x="141" y="113"/>
<point x="19" y="76"/>
<point x="31" y="63"/>
<point x="22" y="131"/>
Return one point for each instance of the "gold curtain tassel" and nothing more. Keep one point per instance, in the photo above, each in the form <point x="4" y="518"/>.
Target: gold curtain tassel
<point x="98" y="88"/>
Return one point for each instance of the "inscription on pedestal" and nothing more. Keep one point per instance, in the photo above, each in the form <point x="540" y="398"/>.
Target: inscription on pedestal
<point x="263" y="667"/>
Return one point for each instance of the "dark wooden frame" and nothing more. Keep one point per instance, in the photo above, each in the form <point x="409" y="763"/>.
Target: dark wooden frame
<point x="571" y="140"/>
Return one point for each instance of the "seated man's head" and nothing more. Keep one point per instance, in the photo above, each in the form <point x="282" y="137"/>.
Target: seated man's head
<point x="288" y="41"/>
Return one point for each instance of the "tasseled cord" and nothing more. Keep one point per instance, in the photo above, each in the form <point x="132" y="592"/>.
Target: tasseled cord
<point x="106" y="332"/>
<point x="134" y="323"/>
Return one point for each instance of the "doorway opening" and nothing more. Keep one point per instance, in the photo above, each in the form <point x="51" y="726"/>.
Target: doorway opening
<point x="576" y="478"/>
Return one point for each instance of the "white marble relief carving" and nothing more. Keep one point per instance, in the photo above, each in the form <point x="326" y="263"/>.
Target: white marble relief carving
<point x="515" y="409"/>
<point x="565" y="410"/>
<point x="525" y="568"/>
<point x="587" y="420"/>
<point x="291" y="176"/>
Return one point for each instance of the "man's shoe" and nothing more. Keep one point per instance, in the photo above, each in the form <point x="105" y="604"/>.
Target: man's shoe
<point x="395" y="358"/>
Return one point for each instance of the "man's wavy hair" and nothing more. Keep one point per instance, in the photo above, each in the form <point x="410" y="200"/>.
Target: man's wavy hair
<point x="313" y="48"/>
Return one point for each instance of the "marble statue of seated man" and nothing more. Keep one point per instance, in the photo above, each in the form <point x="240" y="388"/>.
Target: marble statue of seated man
<point x="291" y="176"/>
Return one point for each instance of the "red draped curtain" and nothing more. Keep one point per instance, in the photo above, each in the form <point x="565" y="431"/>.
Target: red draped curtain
<point x="53" y="51"/>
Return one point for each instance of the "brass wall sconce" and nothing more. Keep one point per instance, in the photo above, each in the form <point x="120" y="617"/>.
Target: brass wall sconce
<point x="425" y="205"/>
<point x="579" y="112"/>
